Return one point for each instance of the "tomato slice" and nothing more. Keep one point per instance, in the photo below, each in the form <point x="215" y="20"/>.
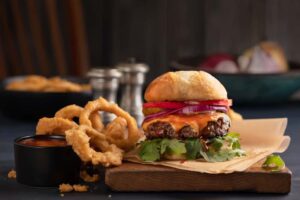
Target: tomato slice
<point x="176" y="105"/>
<point x="164" y="104"/>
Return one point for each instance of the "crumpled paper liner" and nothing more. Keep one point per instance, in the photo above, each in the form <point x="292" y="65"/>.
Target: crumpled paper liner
<point x="258" y="137"/>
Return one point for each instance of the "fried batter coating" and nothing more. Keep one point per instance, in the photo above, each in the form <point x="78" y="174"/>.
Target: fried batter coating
<point x="128" y="142"/>
<point x="65" y="187"/>
<point x="54" y="126"/>
<point x="32" y="83"/>
<point x="12" y="174"/>
<point x="116" y="131"/>
<point x="57" y="84"/>
<point x="80" y="188"/>
<point x="90" y="140"/>
<point x="92" y="146"/>
<point x="89" y="178"/>
<point x="69" y="112"/>
<point x="72" y="111"/>
<point x="35" y="83"/>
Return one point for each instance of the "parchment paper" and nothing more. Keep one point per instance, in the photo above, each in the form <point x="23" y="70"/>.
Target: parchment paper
<point x="258" y="137"/>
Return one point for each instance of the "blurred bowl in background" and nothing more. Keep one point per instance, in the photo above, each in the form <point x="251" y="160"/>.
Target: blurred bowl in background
<point x="245" y="88"/>
<point x="34" y="105"/>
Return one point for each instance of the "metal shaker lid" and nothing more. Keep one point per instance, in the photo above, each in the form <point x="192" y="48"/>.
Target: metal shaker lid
<point x="132" y="66"/>
<point x="104" y="73"/>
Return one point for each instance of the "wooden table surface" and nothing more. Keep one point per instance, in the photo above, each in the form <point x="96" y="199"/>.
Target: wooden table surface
<point x="10" y="189"/>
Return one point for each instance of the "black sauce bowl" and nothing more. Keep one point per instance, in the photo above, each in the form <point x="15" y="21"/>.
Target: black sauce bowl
<point x="45" y="166"/>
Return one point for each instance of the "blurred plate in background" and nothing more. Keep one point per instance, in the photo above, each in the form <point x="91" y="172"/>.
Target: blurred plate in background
<point x="34" y="105"/>
<point x="247" y="88"/>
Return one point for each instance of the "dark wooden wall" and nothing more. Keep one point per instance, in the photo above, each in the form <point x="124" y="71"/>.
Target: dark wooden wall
<point x="42" y="37"/>
<point x="158" y="31"/>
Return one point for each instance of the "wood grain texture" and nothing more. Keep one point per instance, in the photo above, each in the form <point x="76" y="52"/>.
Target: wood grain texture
<point x="56" y="36"/>
<point x="282" y="25"/>
<point x="37" y="34"/>
<point x="136" y="177"/>
<point x="9" y="44"/>
<point x="139" y="30"/>
<point x="3" y="67"/>
<point x="22" y="37"/>
<point x="153" y="31"/>
<point x="185" y="34"/>
<point x="231" y="26"/>
<point x="98" y="22"/>
<point x="77" y="35"/>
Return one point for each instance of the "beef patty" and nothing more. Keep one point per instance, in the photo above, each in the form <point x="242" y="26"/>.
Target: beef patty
<point x="166" y="130"/>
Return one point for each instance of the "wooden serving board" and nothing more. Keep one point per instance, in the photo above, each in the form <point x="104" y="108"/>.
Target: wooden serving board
<point x="131" y="177"/>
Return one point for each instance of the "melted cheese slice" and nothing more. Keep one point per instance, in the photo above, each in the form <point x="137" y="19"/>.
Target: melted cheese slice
<point x="197" y="122"/>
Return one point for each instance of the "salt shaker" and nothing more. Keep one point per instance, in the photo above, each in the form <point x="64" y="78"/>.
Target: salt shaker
<point x="105" y="83"/>
<point x="132" y="80"/>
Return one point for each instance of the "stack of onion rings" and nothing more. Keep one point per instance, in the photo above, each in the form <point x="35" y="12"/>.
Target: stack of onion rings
<point x="85" y="140"/>
<point x="32" y="83"/>
<point x="36" y="83"/>
<point x="72" y="111"/>
<point x="90" y="139"/>
<point x="127" y="141"/>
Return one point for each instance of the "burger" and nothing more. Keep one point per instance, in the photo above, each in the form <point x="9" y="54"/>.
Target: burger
<point x="186" y="119"/>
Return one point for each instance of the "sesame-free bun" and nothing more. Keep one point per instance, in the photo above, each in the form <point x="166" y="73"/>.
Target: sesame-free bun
<point x="185" y="85"/>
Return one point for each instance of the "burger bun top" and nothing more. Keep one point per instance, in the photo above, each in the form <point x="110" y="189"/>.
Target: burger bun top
<point x="184" y="86"/>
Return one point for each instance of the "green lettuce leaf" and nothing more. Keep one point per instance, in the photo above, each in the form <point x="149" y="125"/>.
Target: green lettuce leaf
<point x="216" y="143"/>
<point x="273" y="163"/>
<point x="176" y="147"/>
<point x="221" y="156"/>
<point x="192" y="148"/>
<point x="217" y="149"/>
<point x="163" y="145"/>
<point x="149" y="150"/>
<point x="233" y="140"/>
<point x="152" y="150"/>
<point x="223" y="148"/>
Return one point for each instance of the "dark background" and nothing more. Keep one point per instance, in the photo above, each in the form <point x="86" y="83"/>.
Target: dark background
<point x="105" y="32"/>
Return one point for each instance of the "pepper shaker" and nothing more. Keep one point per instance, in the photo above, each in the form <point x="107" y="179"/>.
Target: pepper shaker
<point x="132" y="80"/>
<point x="105" y="83"/>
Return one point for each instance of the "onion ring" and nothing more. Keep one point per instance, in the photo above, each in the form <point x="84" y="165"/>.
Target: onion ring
<point x="102" y="105"/>
<point x="96" y="121"/>
<point x="57" y="84"/>
<point x="35" y="83"/>
<point x="116" y="131"/>
<point x="54" y="126"/>
<point x="69" y="112"/>
<point x="32" y="83"/>
<point x="72" y="111"/>
<point x="83" y="138"/>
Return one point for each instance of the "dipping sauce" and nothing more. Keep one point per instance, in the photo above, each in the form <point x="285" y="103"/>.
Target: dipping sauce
<point x="44" y="142"/>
